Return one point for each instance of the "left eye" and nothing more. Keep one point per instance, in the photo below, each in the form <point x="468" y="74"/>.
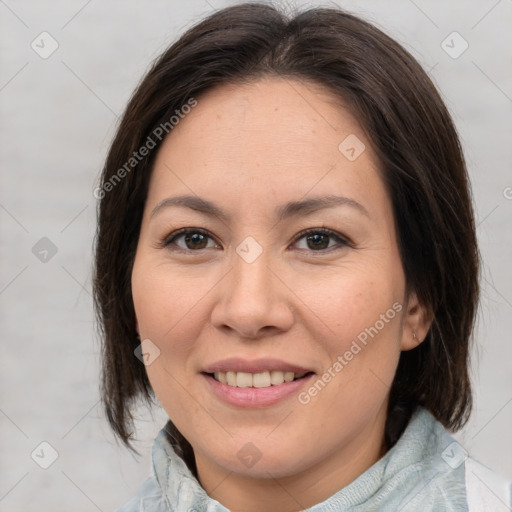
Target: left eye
<point x="319" y="239"/>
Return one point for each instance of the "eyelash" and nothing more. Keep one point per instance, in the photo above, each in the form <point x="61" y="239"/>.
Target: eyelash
<point x="342" y="241"/>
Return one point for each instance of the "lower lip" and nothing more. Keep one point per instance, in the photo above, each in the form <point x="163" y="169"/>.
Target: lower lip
<point x="255" y="397"/>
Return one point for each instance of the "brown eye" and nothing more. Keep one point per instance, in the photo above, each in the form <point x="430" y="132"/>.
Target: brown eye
<point x="195" y="241"/>
<point x="320" y="239"/>
<point x="189" y="239"/>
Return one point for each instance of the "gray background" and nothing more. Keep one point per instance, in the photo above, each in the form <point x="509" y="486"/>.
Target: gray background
<point x="57" y="117"/>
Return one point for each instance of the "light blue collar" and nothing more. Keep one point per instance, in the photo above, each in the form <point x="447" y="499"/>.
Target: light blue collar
<point x="413" y="476"/>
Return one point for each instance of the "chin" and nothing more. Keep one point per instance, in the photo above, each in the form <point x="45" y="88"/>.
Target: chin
<point x="262" y="458"/>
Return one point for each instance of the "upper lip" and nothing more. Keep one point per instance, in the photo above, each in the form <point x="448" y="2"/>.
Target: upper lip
<point x="254" y="366"/>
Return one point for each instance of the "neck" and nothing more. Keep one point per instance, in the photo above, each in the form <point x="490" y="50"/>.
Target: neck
<point x="292" y="493"/>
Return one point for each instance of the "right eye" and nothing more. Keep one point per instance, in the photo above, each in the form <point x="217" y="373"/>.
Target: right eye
<point x="188" y="239"/>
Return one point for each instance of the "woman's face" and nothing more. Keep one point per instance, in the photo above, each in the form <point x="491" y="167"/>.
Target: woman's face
<point x="248" y="294"/>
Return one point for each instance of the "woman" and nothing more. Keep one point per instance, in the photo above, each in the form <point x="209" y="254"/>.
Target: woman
<point x="286" y="259"/>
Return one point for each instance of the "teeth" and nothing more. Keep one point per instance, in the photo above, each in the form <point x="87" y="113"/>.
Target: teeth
<point x="289" y="376"/>
<point x="230" y="378"/>
<point x="256" y="380"/>
<point x="261" y="380"/>
<point x="276" y="377"/>
<point x="243" y="380"/>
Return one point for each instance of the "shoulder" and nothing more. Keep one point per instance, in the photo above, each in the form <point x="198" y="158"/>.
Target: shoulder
<point x="486" y="491"/>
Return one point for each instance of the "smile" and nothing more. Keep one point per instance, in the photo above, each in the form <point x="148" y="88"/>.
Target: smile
<point x="263" y="379"/>
<point x="262" y="382"/>
<point x="251" y="396"/>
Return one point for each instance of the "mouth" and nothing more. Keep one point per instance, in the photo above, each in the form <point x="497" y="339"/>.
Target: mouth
<point x="259" y="380"/>
<point x="258" y="383"/>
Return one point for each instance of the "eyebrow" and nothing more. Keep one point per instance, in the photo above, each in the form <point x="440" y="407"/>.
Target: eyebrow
<point x="290" y="209"/>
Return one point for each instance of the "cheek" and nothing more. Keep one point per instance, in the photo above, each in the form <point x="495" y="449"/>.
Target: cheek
<point x="167" y="303"/>
<point x="359" y="329"/>
<point x="163" y="318"/>
<point x="348" y="303"/>
<point x="170" y="309"/>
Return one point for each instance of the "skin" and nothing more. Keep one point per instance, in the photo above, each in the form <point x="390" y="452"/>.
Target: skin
<point x="249" y="149"/>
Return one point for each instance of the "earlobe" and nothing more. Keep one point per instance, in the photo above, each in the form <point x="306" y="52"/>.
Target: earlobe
<point x="416" y="323"/>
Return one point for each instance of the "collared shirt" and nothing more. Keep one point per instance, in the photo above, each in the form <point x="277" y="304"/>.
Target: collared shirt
<point x="424" y="471"/>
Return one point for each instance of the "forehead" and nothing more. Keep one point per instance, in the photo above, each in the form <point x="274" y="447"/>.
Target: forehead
<point x="307" y="117"/>
<point x="275" y="138"/>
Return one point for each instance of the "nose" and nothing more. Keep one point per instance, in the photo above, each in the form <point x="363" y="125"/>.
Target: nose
<point x="254" y="301"/>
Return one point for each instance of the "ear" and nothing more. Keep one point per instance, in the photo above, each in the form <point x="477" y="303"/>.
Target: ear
<point x="416" y="323"/>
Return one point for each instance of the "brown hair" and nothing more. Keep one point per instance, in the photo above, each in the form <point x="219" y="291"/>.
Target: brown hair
<point x="422" y="164"/>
